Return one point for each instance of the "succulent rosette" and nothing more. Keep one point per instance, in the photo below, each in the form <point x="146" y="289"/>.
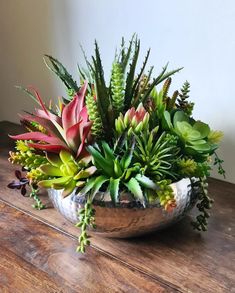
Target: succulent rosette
<point x="126" y="136"/>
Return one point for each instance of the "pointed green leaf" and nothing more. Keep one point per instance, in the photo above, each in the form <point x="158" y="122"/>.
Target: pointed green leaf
<point x="49" y="183"/>
<point x="97" y="185"/>
<point x="107" y="151"/>
<point x="100" y="162"/>
<point x="131" y="75"/>
<point x="134" y="187"/>
<point x="50" y="170"/>
<point x="89" y="185"/>
<point x="146" y="182"/>
<point x="114" y="189"/>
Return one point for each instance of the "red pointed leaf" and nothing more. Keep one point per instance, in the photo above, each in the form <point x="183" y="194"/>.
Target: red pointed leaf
<point x="73" y="136"/>
<point x="47" y="124"/>
<point x="81" y="96"/>
<point x="39" y="98"/>
<point x="84" y="114"/>
<point x="49" y="116"/>
<point x="39" y="136"/>
<point x="69" y="114"/>
<point x="48" y="147"/>
<point x="86" y="129"/>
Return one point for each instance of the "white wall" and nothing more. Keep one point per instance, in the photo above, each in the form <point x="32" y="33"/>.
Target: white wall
<point x="198" y="35"/>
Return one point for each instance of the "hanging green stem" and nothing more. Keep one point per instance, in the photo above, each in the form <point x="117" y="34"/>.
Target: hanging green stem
<point x="218" y="162"/>
<point x="38" y="203"/>
<point x="203" y="205"/>
<point x="87" y="219"/>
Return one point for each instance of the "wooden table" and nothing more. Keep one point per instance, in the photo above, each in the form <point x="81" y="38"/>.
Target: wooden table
<point x="37" y="248"/>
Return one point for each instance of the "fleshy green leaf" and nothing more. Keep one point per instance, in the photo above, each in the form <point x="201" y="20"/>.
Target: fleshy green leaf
<point x="85" y="173"/>
<point x="49" y="183"/>
<point x="146" y="182"/>
<point x="114" y="189"/>
<point x="97" y="185"/>
<point x="203" y="128"/>
<point x="50" y="170"/>
<point x="167" y="120"/>
<point x="54" y="159"/>
<point x="134" y="187"/>
<point x="100" y="162"/>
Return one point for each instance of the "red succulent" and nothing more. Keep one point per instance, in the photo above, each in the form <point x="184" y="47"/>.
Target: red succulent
<point x="66" y="132"/>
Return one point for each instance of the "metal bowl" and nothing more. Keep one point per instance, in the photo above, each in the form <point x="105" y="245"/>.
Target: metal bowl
<point x="128" y="219"/>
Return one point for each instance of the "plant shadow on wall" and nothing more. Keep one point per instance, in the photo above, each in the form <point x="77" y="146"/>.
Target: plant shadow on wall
<point x="117" y="143"/>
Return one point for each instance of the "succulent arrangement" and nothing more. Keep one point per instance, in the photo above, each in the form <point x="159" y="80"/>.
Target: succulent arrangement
<point x="128" y="134"/>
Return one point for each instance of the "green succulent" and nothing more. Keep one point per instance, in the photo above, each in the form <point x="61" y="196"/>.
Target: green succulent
<point x="26" y="158"/>
<point x="166" y="195"/>
<point x="65" y="172"/>
<point x="156" y="154"/>
<point x="117" y="173"/>
<point x="36" y="175"/>
<point x="193" y="134"/>
<point x="117" y="86"/>
<point x="134" y="121"/>
<point x="183" y="103"/>
<point x="94" y="116"/>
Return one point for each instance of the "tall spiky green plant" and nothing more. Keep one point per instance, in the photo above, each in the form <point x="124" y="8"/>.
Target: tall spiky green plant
<point x="103" y="99"/>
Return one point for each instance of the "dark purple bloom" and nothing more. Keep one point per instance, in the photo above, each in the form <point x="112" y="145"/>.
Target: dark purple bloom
<point x="20" y="183"/>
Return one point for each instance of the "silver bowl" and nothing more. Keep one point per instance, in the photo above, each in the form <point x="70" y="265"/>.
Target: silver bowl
<point x="128" y="219"/>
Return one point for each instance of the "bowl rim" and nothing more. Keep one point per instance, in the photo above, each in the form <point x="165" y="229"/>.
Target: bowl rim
<point x="123" y="204"/>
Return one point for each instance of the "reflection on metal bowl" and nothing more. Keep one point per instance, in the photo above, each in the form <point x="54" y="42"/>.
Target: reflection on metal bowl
<point x="128" y="219"/>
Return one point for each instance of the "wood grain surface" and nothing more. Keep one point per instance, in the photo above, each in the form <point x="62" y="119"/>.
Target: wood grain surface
<point x="54" y="264"/>
<point x="177" y="258"/>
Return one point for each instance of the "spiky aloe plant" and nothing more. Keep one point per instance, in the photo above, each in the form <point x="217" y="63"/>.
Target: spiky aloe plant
<point x="117" y="172"/>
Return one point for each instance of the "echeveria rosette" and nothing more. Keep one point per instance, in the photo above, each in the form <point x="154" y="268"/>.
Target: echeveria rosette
<point x="65" y="172"/>
<point x="193" y="135"/>
<point x="68" y="132"/>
